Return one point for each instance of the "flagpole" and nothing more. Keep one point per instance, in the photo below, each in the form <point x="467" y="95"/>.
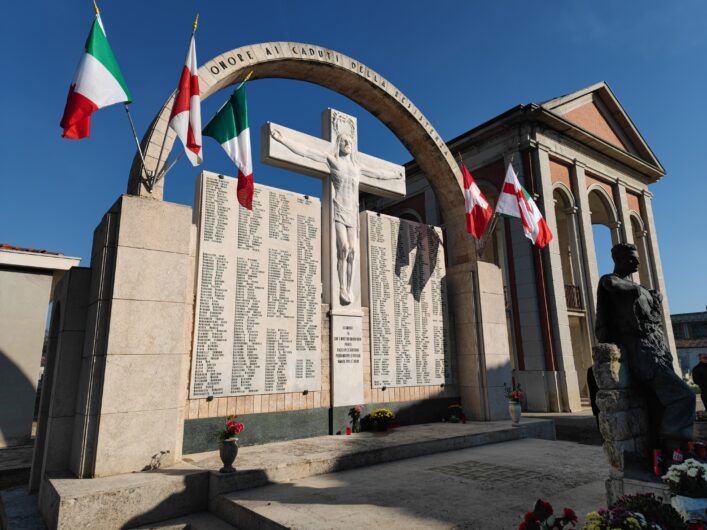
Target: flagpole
<point x="139" y="148"/>
<point x="246" y="79"/>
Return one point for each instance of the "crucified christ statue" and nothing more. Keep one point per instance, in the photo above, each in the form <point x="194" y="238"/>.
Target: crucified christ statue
<point x="346" y="174"/>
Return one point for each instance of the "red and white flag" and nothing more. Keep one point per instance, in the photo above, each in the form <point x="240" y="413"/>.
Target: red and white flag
<point x="514" y="201"/>
<point x="478" y="209"/>
<point x="186" y="111"/>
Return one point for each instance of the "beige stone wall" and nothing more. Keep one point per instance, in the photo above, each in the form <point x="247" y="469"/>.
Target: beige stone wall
<point x="225" y="406"/>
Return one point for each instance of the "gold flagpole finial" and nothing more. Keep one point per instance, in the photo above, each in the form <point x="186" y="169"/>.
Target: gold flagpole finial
<point x="248" y="76"/>
<point x="196" y="22"/>
<point x="95" y="6"/>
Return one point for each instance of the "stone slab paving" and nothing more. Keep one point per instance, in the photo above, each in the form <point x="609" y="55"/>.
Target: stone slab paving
<point x="485" y="487"/>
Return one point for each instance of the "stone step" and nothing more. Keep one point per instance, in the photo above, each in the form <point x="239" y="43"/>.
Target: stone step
<point x="295" y="459"/>
<point x="194" y="521"/>
<point x="284" y="462"/>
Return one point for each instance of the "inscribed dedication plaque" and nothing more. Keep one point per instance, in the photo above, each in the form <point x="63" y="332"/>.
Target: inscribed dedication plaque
<point x="258" y="292"/>
<point x="407" y="295"/>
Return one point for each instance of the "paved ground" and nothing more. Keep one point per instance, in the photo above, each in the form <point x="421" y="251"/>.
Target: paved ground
<point x="484" y="487"/>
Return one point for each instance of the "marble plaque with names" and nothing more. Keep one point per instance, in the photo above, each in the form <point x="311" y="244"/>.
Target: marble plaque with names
<point x="407" y="296"/>
<point x="257" y="325"/>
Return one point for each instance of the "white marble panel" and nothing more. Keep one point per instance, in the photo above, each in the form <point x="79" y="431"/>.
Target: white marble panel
<point x="258" y="292"/>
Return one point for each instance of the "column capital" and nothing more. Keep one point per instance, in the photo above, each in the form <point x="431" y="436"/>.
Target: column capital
<point x="640" y="234"/>
<point x="579" y="163"/>
<point x="615" y="225"/>
<point x="572" y="210"/>
<point x="647" y="194"/>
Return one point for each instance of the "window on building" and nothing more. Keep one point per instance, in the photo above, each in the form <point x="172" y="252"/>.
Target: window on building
<point x="679" y="331"/>
<point x="699" y="330"/>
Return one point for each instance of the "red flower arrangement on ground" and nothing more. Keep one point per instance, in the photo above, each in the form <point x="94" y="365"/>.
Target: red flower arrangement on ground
<point x="541" y="518"/>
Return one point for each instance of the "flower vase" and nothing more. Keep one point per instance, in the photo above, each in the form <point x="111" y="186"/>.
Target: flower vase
<point x="356" y="425"/>
<point x="515" y="412"/>
<point x="228" y="450"/>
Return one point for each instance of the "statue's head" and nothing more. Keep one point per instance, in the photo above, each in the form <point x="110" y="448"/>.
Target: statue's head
<point x="345" y="145"/>
<point x="625" y="258"/>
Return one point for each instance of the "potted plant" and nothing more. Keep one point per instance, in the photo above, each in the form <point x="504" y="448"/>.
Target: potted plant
<point x="355" y="415"/>
<point x="228" y="446"/>
<point x="381" y="418"/>
<point x="514" y="395"/>
<point x="455" y="414"/>
<point x="688" y="486"/>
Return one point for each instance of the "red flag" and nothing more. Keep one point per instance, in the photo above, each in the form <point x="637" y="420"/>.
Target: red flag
<point x="186" y="111"/>
<point x="478" y="209"/>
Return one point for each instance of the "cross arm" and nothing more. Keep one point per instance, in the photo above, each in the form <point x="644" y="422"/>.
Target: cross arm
<point x="381" y="177"/>
<point x="294" y="151"/>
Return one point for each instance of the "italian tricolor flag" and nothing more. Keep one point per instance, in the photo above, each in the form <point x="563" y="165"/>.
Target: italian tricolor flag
<point x="514" y="201"/>
<point x="230" y="128"/>
<point x="98" y="83"/>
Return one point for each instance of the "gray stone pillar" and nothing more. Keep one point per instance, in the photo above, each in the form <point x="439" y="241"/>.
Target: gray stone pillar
<point x="586" y="239"/>
<point x="624" y="228"/>
<point x="554" y="281"/>
<point x="658" y="280"/>
<point x="132" y="390"/>
<point x="62" y="368"/>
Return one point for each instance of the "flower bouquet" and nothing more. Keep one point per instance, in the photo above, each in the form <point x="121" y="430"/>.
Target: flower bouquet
<point x="228" y="448"/>
<point x="381" y="418"/>
<point x="513" y="393"/>
<point x="688" y="484"/>
<point x="355" y="415"/>
<point x="542" y="518"/>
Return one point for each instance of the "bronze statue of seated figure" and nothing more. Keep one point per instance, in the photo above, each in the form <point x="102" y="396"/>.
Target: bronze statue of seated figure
<point x="630" y="316"/>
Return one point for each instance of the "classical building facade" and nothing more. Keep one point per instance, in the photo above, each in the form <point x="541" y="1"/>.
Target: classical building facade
<point x="586" y="163"/>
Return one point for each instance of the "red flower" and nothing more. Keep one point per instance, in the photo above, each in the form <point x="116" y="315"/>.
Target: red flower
<point x="523" y="526"/>
<point x="529" y="516"/>
<point x="568" y="513"/>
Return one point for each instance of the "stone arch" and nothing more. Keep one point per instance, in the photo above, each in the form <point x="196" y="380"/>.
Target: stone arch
<point x="347" y="76"/>
<point x="603" y="211"/>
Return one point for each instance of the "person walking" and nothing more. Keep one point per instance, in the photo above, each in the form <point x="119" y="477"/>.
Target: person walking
<point x="699" y="377"/>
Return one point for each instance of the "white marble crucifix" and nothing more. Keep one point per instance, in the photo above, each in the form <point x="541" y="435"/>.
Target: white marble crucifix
<point x="344" y="172"/>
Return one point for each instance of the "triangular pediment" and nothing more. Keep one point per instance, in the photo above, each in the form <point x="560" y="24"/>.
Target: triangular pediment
<point x="596" y="110"/>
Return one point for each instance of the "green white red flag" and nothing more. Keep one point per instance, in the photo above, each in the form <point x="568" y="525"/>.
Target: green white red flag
<point x="514" y="201"/>
<point x="185" y="118"/>
<point x="97" y="83"/>
<point x="478" y="209"/>
<point x="229" y="127"/>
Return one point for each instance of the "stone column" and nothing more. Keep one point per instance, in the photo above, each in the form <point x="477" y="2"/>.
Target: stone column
<point x="658" y="280"/>
<point x="133" y="383"/>
<point x="624" y="227"/>
<point x="540" y="385"/>
<point x="586" y="239"/>
<point x="554" y="280"/>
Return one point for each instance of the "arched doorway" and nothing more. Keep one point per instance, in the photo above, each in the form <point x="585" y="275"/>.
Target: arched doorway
<point x="605" y="227"/>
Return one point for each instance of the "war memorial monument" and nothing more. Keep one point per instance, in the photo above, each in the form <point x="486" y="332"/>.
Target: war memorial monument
<point x="290" y="314"/>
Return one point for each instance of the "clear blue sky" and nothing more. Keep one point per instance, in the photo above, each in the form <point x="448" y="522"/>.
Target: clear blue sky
<point x="460" y="62"/>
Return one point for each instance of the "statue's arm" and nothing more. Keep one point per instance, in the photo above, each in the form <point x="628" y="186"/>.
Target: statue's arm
<point x="383" y="173"/>
<point x="298" y="148"/>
